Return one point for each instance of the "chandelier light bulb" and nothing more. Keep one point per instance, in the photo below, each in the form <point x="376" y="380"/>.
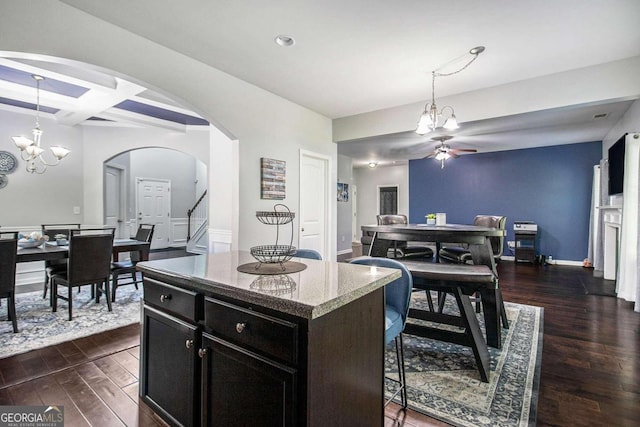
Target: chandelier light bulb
<point x="451" y="123"/>
<point x="429" y="119"/>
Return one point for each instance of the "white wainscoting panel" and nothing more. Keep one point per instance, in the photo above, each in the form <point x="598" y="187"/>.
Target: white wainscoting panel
<point x="219" y="240"/>
<point x="179" y="231"/>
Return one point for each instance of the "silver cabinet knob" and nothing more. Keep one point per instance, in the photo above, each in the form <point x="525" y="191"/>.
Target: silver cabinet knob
<point x="240" y="327"/>
<point x="202" y="353"/>
<point x="188" y="343"/>
<point x="164" y="298"/>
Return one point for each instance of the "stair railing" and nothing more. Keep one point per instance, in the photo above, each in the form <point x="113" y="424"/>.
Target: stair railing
<point x="197" y="215"/>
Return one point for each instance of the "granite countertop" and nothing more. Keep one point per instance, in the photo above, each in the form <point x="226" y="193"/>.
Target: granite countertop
<point x="319" y="289"/>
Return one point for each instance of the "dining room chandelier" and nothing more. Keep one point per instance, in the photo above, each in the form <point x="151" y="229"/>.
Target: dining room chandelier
<point x="30" y="149"/>
<point x="431" y="117"/>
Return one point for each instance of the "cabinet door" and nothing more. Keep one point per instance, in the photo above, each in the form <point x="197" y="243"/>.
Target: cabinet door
<point x="242" y="388"/>
<point x="169" y="374"/>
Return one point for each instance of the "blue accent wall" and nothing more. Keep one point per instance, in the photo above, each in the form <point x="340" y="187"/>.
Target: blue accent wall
<point x="550" y="186"/>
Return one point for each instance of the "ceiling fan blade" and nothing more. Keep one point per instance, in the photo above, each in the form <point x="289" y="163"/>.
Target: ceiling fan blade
<point x="453" y="154"/>
<point x="430" y="156"/>
<point x="465" y="150"/>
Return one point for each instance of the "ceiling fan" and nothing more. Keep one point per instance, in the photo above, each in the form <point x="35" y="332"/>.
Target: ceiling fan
<point x="444" y="151"/>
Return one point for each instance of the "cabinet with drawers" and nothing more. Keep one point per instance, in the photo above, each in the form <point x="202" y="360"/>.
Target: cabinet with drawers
<point x="210" y="358"/>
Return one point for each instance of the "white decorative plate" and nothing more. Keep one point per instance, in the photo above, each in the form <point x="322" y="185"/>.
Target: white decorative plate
<point x="8" y="162"/>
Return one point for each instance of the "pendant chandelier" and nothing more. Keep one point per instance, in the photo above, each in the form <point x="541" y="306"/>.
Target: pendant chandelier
<point x="30" y="149"/>
<point x="431" y="117"/>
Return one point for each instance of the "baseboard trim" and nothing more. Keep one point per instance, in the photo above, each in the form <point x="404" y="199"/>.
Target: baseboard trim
<point x="554" y="262"/>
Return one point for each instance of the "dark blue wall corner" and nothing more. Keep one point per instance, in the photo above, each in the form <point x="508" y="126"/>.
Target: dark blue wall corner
<point x="550" y="186"/>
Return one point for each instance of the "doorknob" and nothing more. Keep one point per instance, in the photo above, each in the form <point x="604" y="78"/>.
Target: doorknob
<point x="303" y="229"/>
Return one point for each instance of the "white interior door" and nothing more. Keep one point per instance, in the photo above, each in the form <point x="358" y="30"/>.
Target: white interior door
<point x="114" y="212"/>
<point x="314" y="172"/>
<point x="153" y="200"/>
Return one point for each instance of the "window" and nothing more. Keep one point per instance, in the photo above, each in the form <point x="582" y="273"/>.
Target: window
<point x="388" y="200"/>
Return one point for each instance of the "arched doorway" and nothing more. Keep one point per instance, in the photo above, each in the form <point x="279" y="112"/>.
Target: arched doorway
<point x="153" y="185"/>
<point x="107" y="131"/>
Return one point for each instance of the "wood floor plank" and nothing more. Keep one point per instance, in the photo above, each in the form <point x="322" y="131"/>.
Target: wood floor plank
<point x="25" y="393"/>
<point x="12" y="371"/>
<point x="87" y="401"/>
<point x="5" y="398"/>
<point x="113" y="396"/>
<point x="115" y="371"/>
<point x="71" y="352"/>
<point x="51" y="393"/>
<point x="53" y="359"/>
<point x="91" y="346"/>
<point x="129" y="362"/>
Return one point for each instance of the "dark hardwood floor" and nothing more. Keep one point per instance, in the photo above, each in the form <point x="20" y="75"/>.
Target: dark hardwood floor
<point x="590" y="363"/>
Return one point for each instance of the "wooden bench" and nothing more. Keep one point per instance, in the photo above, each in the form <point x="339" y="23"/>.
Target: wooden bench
<point x="460" y="280"/>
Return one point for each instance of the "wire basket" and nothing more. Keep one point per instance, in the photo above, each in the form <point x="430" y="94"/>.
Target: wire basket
<point x="277" y="253"/>
<point x="271" y="254"/>
<point x="275" y="217"/>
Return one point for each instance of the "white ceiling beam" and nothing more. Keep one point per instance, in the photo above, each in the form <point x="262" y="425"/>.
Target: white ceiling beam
<point x="95" y="102"/>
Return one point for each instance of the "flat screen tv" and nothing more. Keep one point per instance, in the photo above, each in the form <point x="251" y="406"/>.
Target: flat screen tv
<point x="616" y="166"/>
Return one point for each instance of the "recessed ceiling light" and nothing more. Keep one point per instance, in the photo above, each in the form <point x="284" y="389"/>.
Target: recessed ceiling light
<point x="285" y="41"/>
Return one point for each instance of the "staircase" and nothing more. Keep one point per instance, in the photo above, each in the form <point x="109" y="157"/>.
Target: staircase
<point x="197" y="226"/>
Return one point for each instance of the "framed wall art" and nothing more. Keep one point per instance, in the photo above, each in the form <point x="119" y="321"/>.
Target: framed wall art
<point x="343" y="192"/>
<point x="272" y="179"/>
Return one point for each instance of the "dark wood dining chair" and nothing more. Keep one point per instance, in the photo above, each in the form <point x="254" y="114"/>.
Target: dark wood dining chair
<point x="55" y="266"/>
<point x="89" y="264"/>
<point x="124" y="272"/>
<point x="8" y="257"/>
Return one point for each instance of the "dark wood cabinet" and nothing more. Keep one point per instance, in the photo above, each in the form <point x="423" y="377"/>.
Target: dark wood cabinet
<point x="169" y="361"/>
<point x="207" y="359"/>
<point x="242" y="388"/>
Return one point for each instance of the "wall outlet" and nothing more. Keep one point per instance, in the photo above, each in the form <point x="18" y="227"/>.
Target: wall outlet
<point x="511" y="244"/>
<point x="342" y="238"/>
<point x="76" y="210"/>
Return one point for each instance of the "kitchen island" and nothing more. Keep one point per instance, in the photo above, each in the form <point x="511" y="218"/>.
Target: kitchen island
<point x="221" y="347"/>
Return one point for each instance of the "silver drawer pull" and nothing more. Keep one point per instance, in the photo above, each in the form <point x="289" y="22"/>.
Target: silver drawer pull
<point x="164" y="298"/>
<point x="240" y="327"/>
<point x="202" y="353"/>
<point x="188" y="343"/>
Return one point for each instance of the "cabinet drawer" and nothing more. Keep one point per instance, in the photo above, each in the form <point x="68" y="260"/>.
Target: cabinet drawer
<point x="181" y="302"/>
<point x="266" y="334"/>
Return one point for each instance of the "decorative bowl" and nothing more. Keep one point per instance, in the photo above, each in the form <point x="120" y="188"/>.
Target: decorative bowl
<point x="31" y="243"/>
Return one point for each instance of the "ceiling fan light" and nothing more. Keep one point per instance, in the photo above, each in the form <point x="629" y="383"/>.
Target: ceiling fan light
<point x="442" y="155"/>
<point x="373" y="164"/>
<point x="451" y="123"/>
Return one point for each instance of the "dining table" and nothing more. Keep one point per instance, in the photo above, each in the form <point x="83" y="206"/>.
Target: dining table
<point x="49" y="251"/>
<point x="479" y="243"/>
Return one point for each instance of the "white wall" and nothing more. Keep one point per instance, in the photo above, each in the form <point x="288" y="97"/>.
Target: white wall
<point x="368" y="180"/>
<point x="630" y="122"/>
<point x="33" y="199"/>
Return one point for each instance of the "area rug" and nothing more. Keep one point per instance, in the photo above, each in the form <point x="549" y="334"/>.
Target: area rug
<point x="39" y="327"/>
<point x="443" y="381"/>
